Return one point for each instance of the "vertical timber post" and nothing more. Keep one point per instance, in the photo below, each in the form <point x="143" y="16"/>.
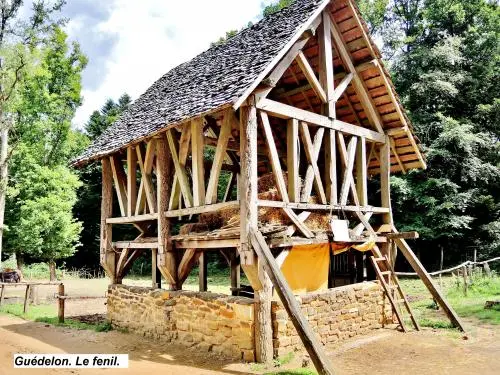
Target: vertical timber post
<point x="107" y="255"/>
<point x="385" y="191"/>
<point x="249" y="219"/>
<point x="61" y="301"/>
<point x="166" y="259"/>
<point x="155" y="273"/>
<point x="202" y="272"/>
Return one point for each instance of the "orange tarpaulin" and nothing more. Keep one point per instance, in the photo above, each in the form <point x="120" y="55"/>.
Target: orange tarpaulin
<point x="306" y="266"/>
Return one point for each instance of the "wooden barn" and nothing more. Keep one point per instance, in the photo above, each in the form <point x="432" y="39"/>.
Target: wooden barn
<point x="274" y="148"/>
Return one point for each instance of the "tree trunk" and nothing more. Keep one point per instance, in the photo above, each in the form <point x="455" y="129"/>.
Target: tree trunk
<point x="20" y="264"/>
<point x="4" y="135"/>
<point x="52" y="269"/>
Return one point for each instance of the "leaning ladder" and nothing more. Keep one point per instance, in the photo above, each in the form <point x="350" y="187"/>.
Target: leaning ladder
<point x="392" y="284"/>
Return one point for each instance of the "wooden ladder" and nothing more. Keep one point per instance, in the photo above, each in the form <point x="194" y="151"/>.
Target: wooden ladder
<point x="384" y="269"/>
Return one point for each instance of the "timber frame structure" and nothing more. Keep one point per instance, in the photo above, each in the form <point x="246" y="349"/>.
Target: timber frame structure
<point x="316" y="108"/>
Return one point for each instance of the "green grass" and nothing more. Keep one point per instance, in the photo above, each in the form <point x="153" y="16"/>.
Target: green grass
<point x="471" y="306"/>
<point x="302" y="371"/>
<point x="48" y="314"/>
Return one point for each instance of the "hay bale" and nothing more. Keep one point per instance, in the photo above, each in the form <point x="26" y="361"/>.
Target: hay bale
<point x="218" y="219"/>
<point x="318" y="222"/>
<point x="267" y="183"/>
<point x="193" y="228"/>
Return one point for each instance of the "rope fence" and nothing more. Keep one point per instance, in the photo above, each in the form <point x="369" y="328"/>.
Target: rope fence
<point x="450" y="270"/>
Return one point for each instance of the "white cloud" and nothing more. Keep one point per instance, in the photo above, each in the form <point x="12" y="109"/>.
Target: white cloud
<point x="150" y="37"/>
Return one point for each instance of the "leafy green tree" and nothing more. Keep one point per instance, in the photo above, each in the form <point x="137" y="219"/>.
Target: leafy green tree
<point x="46" y="229"/>
<point x="46" y="101"/>
<point x="444" y="57"/>
<point x="276" y="7"/>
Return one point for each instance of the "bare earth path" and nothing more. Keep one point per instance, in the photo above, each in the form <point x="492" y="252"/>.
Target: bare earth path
<point x="384" y="352"/>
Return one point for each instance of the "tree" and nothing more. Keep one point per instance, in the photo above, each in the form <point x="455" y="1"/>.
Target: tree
<point x="18" y="38"/>
<point x="444" y="57"/>
<point x="46" y="101"/>
<point x="46" y="228"/>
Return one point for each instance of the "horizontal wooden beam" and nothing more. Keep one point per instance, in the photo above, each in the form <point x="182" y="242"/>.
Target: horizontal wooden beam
<point x="201" y="209"/>
<point x="207" y="244"/>
<point x="136" y="244"/>
<point x="285" y="111"/>
<point x="403" y="235"/>
<point x="131" y="219"/>
<point x="321" y="207"/>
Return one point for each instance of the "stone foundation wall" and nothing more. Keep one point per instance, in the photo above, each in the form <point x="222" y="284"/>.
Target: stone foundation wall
<point x="210" y="322"/>
<point x="336" y="315"/>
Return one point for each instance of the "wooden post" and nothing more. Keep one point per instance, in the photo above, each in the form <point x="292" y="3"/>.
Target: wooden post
<point x="464" y="274"/>
<point x="26" y="295"/>
<point x="202" y="272"/>
<point x="249" y="219"/>
<point x="429" y="283"/>
<point x="155" y="274"/>
<point x="61" y="301"/>
<point x="308" y="337"/>
<point x="166" y="256"/>
<point x="2" y="294"/>
<point x="234" y="264"/>
<point x="107" y="255"/>
<point x="263" y="323"/>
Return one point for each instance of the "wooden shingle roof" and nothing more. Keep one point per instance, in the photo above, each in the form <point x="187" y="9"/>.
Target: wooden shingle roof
<point x="224" y="75"/>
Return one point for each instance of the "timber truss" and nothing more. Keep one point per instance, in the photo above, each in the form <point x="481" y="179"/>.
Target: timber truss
<point x="313" y="122"/>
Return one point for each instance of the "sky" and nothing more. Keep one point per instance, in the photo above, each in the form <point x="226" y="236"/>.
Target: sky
<point x="130" y="43"/>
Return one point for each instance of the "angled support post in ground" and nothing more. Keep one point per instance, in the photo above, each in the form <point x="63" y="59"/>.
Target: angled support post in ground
<point x="308" y="337"/>
<point x="429" y="283"/>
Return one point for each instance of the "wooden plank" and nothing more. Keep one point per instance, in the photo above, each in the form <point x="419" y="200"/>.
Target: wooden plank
<point x="180" y="170"/>
<point x="201" y="209"/>
<point x="311" y="175"/>
<point x="120" y="182"/>
<point x="312" y="157"/>
<point x="290" y="231"/>
<point x="207" y="244"/>
<point x="197" y="145"/>
<point x="164" y="176"/>
<point x="131" y="219"/>
<point x="146" y="167"/>
<point x="342" y="86"/>
<point x="429" y="283"/>
<point x="233" y="180"/>
<point x="131" y="180"/>
<point x="362" y="172"/>
<point x="403" y="235"/>
<point x="331" y="167"/>
<point x="321" y="207"/>
<point x="311" y="76"/>
<point x="220" y="154"/>
<point x="344" y="158"/>
<point x="358" y="229"/>
<point x="292" y="138"/>
<point x="308" y="337"/>
<point x="135" y="245"/>
<point x="348" y="179"/>
<point x="274" y="158"/>
<point x="287" y="112"/>
<point x="298" y="223"/>
<point x="283" y="65"/>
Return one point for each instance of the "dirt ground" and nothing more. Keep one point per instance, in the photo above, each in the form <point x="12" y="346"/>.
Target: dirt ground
<point x="383" y="352"/>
